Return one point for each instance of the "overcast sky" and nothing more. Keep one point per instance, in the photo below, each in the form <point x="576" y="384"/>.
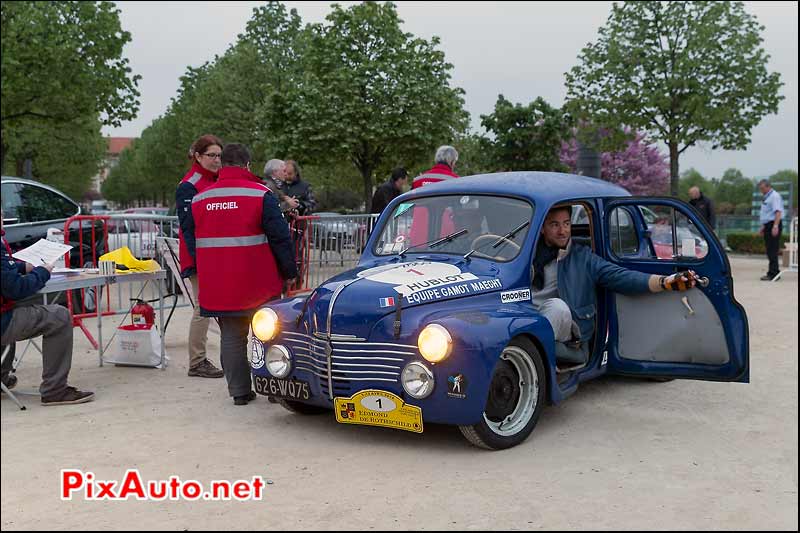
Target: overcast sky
<point x="519" y="49"/>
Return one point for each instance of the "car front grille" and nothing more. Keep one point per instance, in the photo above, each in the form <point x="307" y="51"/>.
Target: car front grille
<point x="351" y="361"/>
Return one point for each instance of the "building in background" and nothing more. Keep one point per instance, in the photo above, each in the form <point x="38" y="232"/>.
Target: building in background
<point x="114" y="147"/>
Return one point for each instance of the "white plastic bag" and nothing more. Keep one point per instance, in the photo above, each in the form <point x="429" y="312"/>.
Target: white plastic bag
<point x="137" y="345"/>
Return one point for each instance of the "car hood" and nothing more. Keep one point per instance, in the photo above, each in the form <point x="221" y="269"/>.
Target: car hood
<point x="362" y="296"/>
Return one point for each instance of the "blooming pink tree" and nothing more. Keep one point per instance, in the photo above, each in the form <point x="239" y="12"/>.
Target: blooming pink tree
<point x="639" y="167"/>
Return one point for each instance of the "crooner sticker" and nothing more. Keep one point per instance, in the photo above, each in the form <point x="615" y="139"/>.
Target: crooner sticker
<point x="521" y="295"/>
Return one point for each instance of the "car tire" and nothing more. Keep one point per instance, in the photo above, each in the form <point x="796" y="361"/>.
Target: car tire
<point x="516" y="396"/>
<point x="301" y="408"/>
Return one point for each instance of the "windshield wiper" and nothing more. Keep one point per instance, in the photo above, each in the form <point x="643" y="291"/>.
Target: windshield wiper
<point x="509" y="235"/>
<point x="435" y="242"/>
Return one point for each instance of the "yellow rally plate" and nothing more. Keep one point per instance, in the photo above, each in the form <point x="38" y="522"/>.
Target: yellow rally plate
<point x="379" y="408"/>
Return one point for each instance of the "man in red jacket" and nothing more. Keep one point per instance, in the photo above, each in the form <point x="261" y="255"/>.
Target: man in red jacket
<point x="244" y="253"/>
<point x="443" y="169"/>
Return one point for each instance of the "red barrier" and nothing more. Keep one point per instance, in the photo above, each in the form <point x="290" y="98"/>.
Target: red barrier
<point x="83" y="258"/>
<point x="300" y="228"/>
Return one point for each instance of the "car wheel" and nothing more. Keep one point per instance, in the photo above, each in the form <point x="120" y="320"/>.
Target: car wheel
<point x="301" y="408"/>
<point x="515" y="399"/>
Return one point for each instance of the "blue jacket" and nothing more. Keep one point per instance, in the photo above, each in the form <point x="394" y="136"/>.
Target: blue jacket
<point x="580" y="271"/>
<point x="16" y="285"/>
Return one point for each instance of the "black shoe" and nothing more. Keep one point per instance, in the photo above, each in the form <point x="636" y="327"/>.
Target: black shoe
<point x="68" y="396"/>
<point x="768" y="277"/>
<point x="272" y="399"/>
<point x="9" y="380"/>
<point x="206" y="369"/>
<point x="244" y="400"/>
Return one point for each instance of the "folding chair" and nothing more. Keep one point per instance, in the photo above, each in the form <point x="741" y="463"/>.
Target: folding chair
<point x="7" y="361"/>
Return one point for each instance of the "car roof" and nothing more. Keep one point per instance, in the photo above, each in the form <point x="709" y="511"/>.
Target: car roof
<point x="540" y="187"/>
<point x="37" y="184"/>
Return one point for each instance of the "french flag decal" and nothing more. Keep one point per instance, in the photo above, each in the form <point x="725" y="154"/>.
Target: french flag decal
<point x="387" y="302"/>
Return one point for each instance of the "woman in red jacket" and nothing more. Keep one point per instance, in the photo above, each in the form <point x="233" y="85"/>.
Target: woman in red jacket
<point x="205" y="155"/>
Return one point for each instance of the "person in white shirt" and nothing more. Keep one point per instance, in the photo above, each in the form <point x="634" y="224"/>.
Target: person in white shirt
<point x="771" y="225"/>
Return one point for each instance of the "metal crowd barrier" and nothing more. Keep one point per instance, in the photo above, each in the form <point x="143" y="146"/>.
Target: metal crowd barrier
<point x="326" y="245"/>
<point x="94" y="235"/>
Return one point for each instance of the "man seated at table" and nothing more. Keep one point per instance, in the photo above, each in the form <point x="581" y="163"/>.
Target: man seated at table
<point x="22" y="280"/>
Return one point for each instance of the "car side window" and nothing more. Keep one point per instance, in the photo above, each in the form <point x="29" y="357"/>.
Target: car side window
<point x="671" y="234"/>
<point x="622" y="233"/>
<point x="39" y="204"/>
<point x="11" y="202"/>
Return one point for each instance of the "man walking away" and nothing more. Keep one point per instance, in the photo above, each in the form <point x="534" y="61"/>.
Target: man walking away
<point x="771" y="225"/>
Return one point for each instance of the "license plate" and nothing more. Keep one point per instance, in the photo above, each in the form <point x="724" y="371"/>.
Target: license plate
<point x="291" y="389"/>
<point x="378" y="408"/>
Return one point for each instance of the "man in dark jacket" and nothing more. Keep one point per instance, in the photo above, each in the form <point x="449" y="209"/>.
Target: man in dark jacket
<point x="703" y="205"/>
<point x="389" y="190"/>
<point x="23" y="280"/>
<point x="295" y="187"/>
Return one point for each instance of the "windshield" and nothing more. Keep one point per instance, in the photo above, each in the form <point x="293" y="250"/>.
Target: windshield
<point x="419" y="227"/>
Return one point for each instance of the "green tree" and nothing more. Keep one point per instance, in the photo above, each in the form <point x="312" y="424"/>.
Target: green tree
<point x="366" y="92"/>
<point x="526" y="137"/>
<point x="62" y="66"/>
<point x="687" y="72"/>
<point x="474" y="154"/>
<point x="224" y="97"/>
<point x="736" y="189"/>
<point x="64" y="155"/>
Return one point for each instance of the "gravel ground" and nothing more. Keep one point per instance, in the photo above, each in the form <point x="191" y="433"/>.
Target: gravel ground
<point x="620" y="454"/>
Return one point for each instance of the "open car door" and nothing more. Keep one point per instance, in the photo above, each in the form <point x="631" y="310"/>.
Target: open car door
<point x="698" y="334"/>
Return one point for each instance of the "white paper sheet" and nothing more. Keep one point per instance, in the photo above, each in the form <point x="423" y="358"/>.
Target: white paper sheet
<point x="62" y="270"/>
<point x="43" y="253"/>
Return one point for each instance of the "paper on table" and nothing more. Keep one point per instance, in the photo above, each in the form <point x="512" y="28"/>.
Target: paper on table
<point x="42" y="252"/>
<point x="62" y="270"/>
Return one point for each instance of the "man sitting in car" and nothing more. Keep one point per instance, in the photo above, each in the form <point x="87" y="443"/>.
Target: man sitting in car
<point x="565" y="276"/>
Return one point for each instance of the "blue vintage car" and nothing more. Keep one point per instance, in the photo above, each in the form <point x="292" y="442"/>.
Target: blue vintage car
<point x="436" y="324"/>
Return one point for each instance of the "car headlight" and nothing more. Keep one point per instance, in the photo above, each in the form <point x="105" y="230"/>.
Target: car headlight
<point x="434" y="343"/>
<point x="417" y="380"/>
<point x="265" y="324"/>
<point x="279" y="361"/>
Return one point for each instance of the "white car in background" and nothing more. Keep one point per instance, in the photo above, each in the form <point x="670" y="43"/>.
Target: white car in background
<point x="137" y="228"/>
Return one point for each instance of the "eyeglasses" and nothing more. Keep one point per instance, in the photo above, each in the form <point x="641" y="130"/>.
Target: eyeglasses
<point x="213" y="156"/>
